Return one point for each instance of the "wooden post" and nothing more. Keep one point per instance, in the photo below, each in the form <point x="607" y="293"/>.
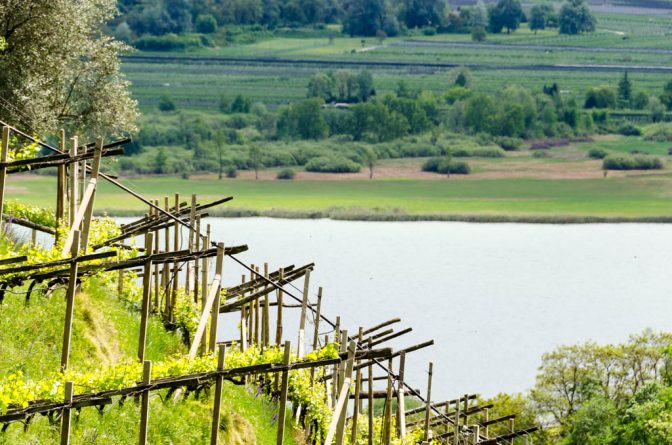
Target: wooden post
<point x="456" y="436"/>
<point x="157" y="272"/>
<point x="176" y="247"/>
<point x="191" y="242"/>
<point x="266" y="315"/>
<point x="70" y="302"/>
<point x="371" y="407"/>
<point x="486" y="417"/>
<point x="165" y="275"/>
<point x="204" y="288"/>
<point x="302" y="319"/>
<point x="4" y="153"/>
<point x="144" y="407"/>
<point x="318" y="310"/>
<point x="60" y="188"/>
<point x="475" y="434"/>
<point x="72" y="179"/>
<point x="401" y="403"/>
<point x="120" y="284"/>
<point x="197" y="246"/>
<point x="387" y="426"/>
<point x="219" y="383"/>
<point x="66" y="416"/>
<point x="278" y="328"/>
<point x="358" y="388"/>
<point x="283" y="397"/>
<point x="512" y="428"/>
<point x="146" y="297"/>
<point x="214" y="317"/>
<point x="88" y="215"/>
<point x="345" y="388"/>
<point x="428" y="408"/>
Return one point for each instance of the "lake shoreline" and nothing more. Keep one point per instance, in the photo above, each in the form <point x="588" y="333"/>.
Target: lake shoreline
<point x="366" y="215"/>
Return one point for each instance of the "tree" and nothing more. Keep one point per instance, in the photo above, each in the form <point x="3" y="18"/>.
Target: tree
<point x="166" y="103"/>
<point x="625" y="90"/>
<point x="161" y="161"/>
<point x="370" y="158"/>
<point x="656" y="109"/>
<point x="63" y="73"/>
<point x="365" y="17"/>
<point x="306" y="119"/>
<point x="460" y="77"/>
<point x="600" y="97"/>
<point x="365" y="88"/>
<point x="206" y="24"/>
<point x="254" y="153"/>
<point x="220" y="138"/>
<point x="666" y="97"/>
<point x="478" y="34"/>
<point x="420" y="13"/>
<point x="538" y="15"/>
<point x="506" y="14"/>
<point x="479" y="16"/>
<point x="345" y="85"/>
<point x="241" y="104"/>
<point x="575" y="18"/>
<point x="321" y="85"/>
<point x="480" y="111"/>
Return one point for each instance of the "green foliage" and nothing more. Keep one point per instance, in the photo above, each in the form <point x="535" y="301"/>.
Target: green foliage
<point x="445" y="166"/>
<point x="660" y="132"/>
<point x="505" y="14"/>
<point x="166" y="104"/>
<point x="575" y="18"/>
<point x="623" y="162"/>
<point x="168" y="42"/>
<point x="600" y="97"/>
<point x="240" y="104"/>
<point x="38" y="215"/>
<point x="285" y="173"/>
<point x="206" y="24"/>
<point x="91" y="96"/>
<point x="332" y="165"/>
<point x="597" y="153"/>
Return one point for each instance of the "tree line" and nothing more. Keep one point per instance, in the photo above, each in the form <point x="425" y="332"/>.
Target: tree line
<point x="380" y="18"/>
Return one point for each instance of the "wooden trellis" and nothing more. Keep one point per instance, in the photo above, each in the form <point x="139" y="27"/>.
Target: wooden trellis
<point x="171" y="262"/>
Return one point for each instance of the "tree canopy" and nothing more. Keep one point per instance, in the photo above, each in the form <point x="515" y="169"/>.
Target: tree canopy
<point x="59" y="70"/>
<point x="575" y="18"/>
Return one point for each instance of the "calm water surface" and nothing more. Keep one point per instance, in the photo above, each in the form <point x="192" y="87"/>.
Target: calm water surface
<point x="494" y="297"/>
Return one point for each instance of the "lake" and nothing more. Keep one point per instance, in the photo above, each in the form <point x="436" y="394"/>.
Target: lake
<point x="494" y="297"/>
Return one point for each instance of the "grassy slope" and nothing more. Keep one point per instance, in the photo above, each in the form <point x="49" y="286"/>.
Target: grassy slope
<point x="105" y="331"/>
<point x="624" y="197"/>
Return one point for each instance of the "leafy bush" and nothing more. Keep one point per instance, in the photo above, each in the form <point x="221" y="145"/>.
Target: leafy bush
<point x="540" y="154"/>
<point x="231" y="172"/>
<point x="622" y="162"/>
<point x="326" y="164"/>
<point x="507" y="143"/>
<point x="478" y="152"/>
<point x="285" y="173"/>
<point x="597" y="153"/>
<point x="628" y="129"/>
<point x="443" y="165"/>
<point x="169" y="42"/>
<point x="166" y="104"/>
<point x="661" y="132"/>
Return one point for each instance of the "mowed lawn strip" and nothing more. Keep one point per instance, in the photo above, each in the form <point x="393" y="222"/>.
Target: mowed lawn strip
<point x="631" y="197"/>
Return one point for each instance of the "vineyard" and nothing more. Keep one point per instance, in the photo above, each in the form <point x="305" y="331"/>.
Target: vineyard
<point x="330" y="381"/>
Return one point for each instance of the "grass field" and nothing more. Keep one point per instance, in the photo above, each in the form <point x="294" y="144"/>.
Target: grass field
<point x="631" y="197"/>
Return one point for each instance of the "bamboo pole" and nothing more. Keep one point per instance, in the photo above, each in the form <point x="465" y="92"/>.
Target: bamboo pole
<point x="266" y="314"/>
<point x="370" y="406"/>
<point x="197" y="246"/>
<point x="283" y="397"/>
<point x="204" y="289"/>
<point x="67" y="413"/>
<point x="146" y="297"/>
<point x="358" y="389"/>
<point x="345" y="389"/>
<point x="165" y="274"/>
<point x="144" y="408"/>
<point x="219" y="383"/>
<point x="70" y="302"/>
<point x="176" y="246"/>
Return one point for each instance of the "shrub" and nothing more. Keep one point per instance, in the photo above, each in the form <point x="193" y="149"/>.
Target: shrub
<point x="169" y="42"/>
<point x="541" y="154"/>
<point x="429" y="31"/>
<point x="661" y="132"/>
<point x="285" y="173"/>
<point x="206" y="24"/>
<point x="628" y="129"/>
<point x="623" y="162"/>
<point x="326" y="164"/>
<point x="507" y="143"/>
<point x="597" y="153"/>
<point x="443" y="165"/>
<point x="478" y="152"/>
<point x="231" y="172"/>
<point x="166" y="104"/>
